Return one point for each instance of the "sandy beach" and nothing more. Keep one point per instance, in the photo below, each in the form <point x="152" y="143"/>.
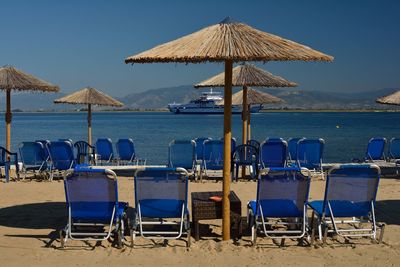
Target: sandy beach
<point x="32" y="212"/>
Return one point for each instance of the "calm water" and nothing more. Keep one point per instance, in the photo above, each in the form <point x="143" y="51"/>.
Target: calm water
<point x="152" y="132"/>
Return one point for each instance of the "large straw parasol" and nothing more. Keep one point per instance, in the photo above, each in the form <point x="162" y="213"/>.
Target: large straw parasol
<point x="228" y="41"/>
<point x="12" y="79"/>
<point x="89" y="96"/>
<point x="392" y="99"/>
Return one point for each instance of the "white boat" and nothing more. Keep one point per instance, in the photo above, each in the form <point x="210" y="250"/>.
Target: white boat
<point x="207" y="104"/>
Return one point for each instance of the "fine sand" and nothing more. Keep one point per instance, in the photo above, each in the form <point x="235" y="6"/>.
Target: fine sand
<point x="32" y="212"/>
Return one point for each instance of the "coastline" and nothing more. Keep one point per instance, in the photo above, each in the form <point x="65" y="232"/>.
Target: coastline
<point x="167" y="111"/>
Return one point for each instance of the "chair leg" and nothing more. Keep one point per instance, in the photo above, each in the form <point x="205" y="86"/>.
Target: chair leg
<point x="253" y="234"/>
<point x="382" y="226"/>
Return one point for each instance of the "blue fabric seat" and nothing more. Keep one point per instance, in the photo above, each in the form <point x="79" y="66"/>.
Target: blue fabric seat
<point x="375" y="149"/>
<point x="277" y="208"/>
<point x="92" y="200"/>
<point x="273" y="153"/>
<point x="161" y="194"/>
<point x="33" y="157"/>
<point x="182" y="153"/>
<point x="105" y="151"/>
<point x="282" y="193"/>
<point x="350" y="193"/>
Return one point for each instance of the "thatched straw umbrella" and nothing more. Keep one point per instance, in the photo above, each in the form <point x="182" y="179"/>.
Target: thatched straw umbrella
<point x="89" y="96"/>
<point x="249" y="75"/>
<point x="248" y="97"/>
<point x="12" y="79"/>
<point x="228" y="41"/>
<point x="392" y="99"/>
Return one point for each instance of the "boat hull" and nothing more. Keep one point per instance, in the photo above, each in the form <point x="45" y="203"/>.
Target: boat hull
<point x="210" y="110"/>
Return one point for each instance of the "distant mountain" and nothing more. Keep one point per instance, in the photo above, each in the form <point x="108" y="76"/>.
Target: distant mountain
<point x="161" y="97"/>
<point x="294" y="98"/>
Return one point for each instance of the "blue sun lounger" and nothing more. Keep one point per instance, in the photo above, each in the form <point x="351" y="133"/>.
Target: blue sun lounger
<point x="127" y="153"/>
<point x="105" y="151"/>
<point x="199" y="152"/>
<point x="213" y="156"/>
<point x="161" y="201"/>
<point x="273" y="153"/>
<point x="292" y="149"/>
<point x="61" y="157"/>
<point x="375" y="149"/>
<point x="282" y="197"/>
<point x="33" y="157"/>
<point x="94" y="212"/>
<point x="349" y="200"/>
<point x="182" y="153"/>
<point x="309" y="154"/>
<point x="394" y="149"/>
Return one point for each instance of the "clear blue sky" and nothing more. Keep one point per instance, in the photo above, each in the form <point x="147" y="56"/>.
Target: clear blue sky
<point x="79" y="43"/>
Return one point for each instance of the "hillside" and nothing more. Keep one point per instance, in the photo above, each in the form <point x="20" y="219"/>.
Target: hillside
<point x="161" y="97"/>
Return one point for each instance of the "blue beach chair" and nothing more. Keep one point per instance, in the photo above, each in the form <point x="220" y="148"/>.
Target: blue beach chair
<point x="282" y="197"/>
<point x="349" y="200"/>
<point x="126" y="152"/>
<point x="45" y="143"/>
<point x="245" y="155"/>
<point x="160" y="201"/>
<point x="94" y="212"/>
<point x="309" y="154"/>
<point x="375" y="149"/>
<point x="62" y="158"/>
<point x="273" y="153"/>
<point x="213" y="156"/>
<point x="33" y="157"/>
<point x="292" y="149"/>
<point x="199" y="153"/>
<point x="105" y="151"/>
<point x="85" y="153"/>
<point x="182" y="153"/>
<point x="394" y="149"/>
<point x="7" y="159"/>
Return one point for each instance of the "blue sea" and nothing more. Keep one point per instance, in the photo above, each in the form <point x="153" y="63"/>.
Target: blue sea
<point x="345" y="133"/>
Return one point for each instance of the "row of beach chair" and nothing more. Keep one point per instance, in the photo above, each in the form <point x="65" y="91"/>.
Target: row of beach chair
<point x="48" y="158"/>
<point x="376" y="150"/>
<point x="202" y="155"/>
<point x="279" y="210"/>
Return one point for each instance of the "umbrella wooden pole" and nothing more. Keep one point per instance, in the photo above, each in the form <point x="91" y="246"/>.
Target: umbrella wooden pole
<point x="248" y="123"/>
<point x="8" y="120"/>
<point x="244" y="124"/>
<point x="89" y="120"/>
<point x="226" y="235"/>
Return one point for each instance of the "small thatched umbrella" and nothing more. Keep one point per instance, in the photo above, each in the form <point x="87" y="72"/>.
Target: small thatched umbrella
<point x="247" y="97"/>
<point x="392" y="99"/>
<point x="13" y="79"/>
<point x="249" y="75"/>
<point x="89" y="96"/>
<point x="228" y="41"/>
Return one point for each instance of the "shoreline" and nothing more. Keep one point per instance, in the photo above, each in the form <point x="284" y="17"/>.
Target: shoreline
<point x="166" y="111"/>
